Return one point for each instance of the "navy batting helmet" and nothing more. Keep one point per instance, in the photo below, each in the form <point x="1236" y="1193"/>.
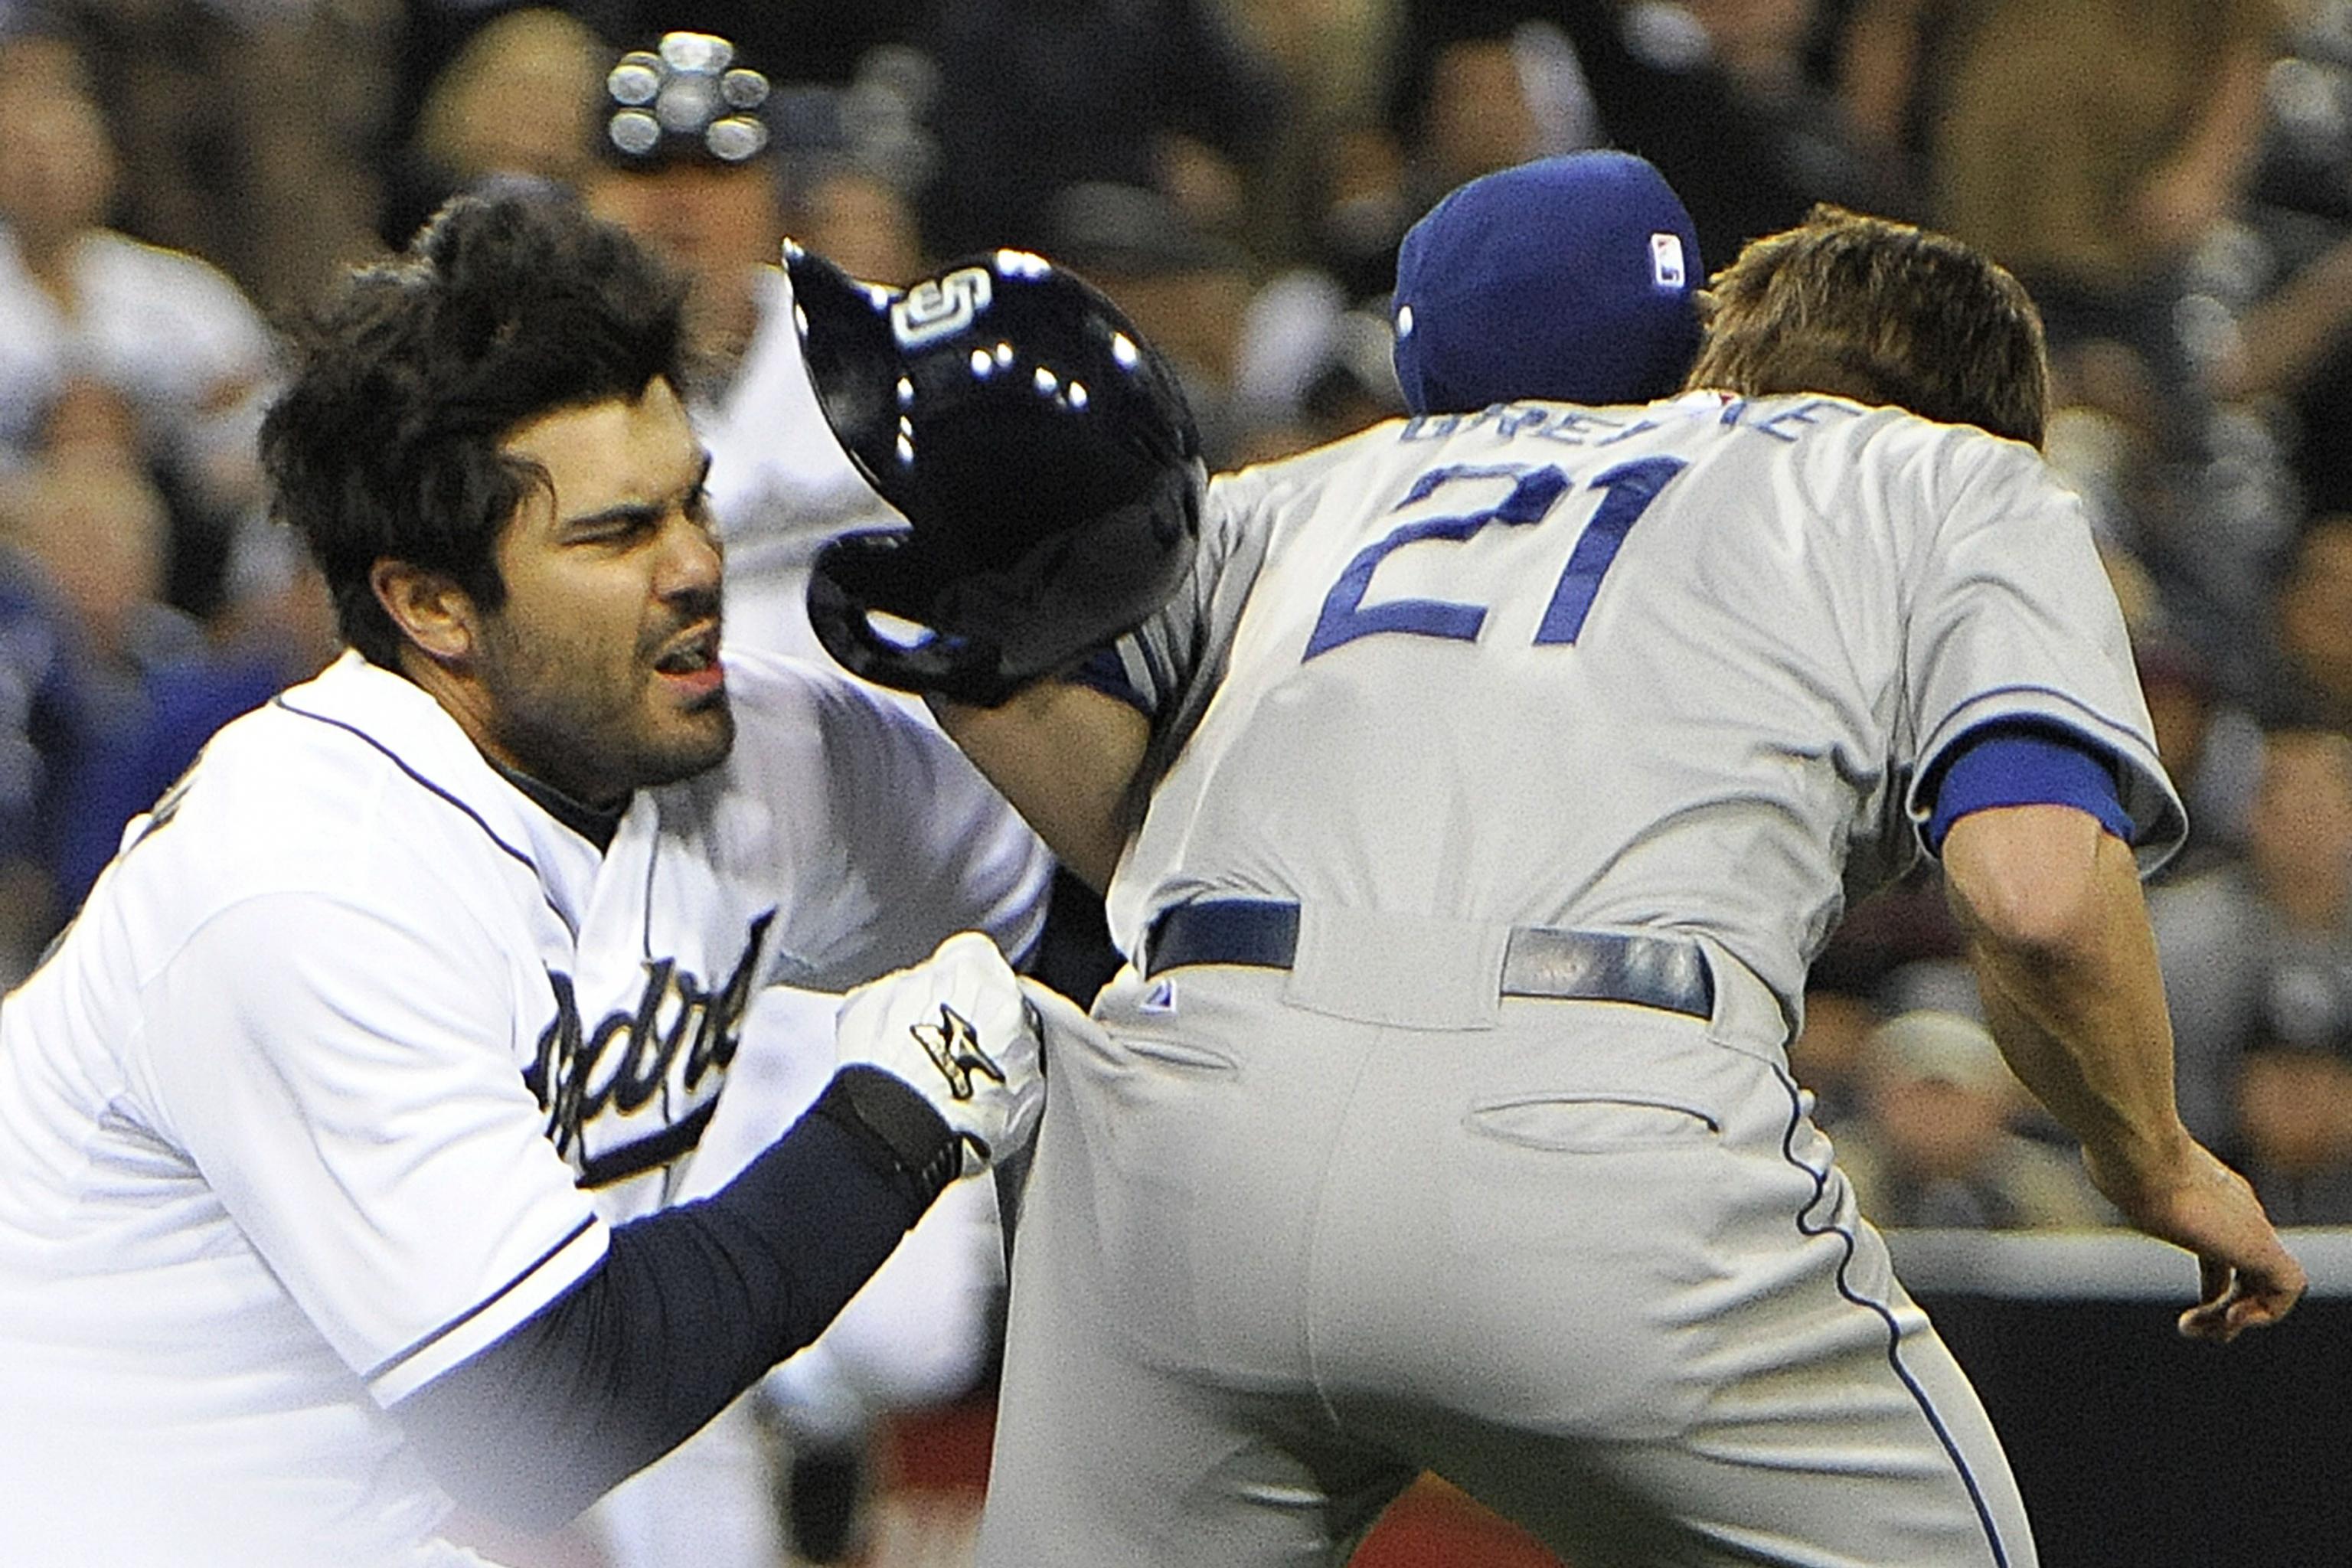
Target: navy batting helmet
<point x="1042" y="451"/>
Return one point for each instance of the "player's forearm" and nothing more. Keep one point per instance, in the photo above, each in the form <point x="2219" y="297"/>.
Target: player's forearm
<point x="691" y="1305"/>
<point x="1064" y="755"/>
<point x="2067" y="966"/>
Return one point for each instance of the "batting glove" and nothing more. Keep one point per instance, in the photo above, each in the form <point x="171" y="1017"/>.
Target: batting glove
<point x="958" y="1030"/>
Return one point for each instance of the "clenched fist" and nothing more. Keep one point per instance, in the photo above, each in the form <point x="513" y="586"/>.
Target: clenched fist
<point x="959" y="1030"/>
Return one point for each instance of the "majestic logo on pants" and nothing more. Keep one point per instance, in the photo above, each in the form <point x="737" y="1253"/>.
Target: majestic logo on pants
<point x="953" y="1047"/>
<point x="668" y="1053"/>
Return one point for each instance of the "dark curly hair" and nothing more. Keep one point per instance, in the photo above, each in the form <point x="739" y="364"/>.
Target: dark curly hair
<point x="385" y="445"/>
<point x="1882" y="312"/>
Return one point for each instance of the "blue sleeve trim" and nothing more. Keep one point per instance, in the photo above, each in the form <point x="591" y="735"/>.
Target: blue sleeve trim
<point x="1105" y="672"/>
<point x="2008" y="764"/>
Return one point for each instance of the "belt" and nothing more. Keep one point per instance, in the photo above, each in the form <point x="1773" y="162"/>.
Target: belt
<point x="1664" y="972"/>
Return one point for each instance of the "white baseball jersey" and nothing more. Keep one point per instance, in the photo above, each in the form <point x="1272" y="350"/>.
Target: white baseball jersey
<point x="1792" y="604"/>
<point x="355" y="1053"/>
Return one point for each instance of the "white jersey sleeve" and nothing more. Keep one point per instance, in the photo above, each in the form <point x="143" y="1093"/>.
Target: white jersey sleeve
<point x="363" y="1126"/>
<point x="1170" y="666"/>
<point x="885" y="839"/>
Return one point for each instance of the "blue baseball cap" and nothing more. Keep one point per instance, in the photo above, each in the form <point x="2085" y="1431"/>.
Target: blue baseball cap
<point x="1572" y="278"/>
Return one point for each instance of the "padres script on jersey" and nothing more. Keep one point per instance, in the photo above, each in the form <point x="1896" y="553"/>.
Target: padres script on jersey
<point x="1750" y="587"/>
<point x="365" y="1051"/>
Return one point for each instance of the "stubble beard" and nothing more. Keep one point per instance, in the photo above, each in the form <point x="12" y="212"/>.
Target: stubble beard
<point x="600" y="757"/>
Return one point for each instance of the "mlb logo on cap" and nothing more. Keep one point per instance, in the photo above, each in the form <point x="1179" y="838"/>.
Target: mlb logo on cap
<point x="1666" y="261"/>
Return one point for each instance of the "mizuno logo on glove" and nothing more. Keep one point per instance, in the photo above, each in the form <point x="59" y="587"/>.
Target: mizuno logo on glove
<point x="954" y="1049"/>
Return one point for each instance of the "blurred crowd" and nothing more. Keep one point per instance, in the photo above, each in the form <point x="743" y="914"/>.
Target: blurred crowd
<point x="2171" y="178"/>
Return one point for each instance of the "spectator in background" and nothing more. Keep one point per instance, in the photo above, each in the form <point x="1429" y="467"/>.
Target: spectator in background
<point x="2140" y="121"/>
<point x="1035" y="96"/>
<point x="1188" y="289"/>
<point x="249" y="129"/>
<point x="152" y="686"/>
<point x="1718" y="94"/>
<point x="2313" y="609"/>
<point x="168" y="334"/>
<point x="1489" y="99"/>
<point x="1935" y="1143"/>
<point x="2288" y="902"/>
<point x="1336" y="59"/>
<point x="517" y="100"/>
<point x="41" y="739"/>
<point x="859" y="218"/>
<point x="2294" y="1093"/>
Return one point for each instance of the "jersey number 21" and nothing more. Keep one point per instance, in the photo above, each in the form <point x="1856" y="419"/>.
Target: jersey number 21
<point x="1626" y="491"/>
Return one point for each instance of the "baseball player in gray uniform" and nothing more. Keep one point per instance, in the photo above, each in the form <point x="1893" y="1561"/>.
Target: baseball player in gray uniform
<point x="337" y="1134"/>
<point x="1470" y="817"/>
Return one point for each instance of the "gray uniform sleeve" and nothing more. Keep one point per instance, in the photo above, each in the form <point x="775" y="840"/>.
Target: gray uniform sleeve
<point x="1173" y="662"/>
<point x="2012" y="617"/>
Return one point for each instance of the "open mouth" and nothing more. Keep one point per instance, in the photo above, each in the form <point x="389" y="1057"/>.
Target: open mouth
<point x="694" y="658"/>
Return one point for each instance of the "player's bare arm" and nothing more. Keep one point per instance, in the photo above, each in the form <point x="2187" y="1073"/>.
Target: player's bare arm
<point x="2058" y="932"/>
<point x="1065" y="755"/>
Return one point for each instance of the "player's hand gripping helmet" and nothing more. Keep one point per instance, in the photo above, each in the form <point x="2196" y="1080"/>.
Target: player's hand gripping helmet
<point x="1042" y="450"/>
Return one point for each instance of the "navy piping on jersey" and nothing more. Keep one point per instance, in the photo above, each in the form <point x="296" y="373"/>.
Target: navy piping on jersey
<point x="650" y="1153"/>
<point x="645" y="931"/>
<point x="420" y="779"/>
<point x="476" y="1310"/>
<point x="1886" y="1315"/>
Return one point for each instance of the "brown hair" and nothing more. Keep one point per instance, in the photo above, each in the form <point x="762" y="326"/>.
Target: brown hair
<point x="1882" y="312"/>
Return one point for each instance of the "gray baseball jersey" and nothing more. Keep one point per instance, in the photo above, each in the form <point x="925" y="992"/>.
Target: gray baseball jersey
<point x="1313" y="1223"/>
<point x="354" y="1055"/>
<point x="1396" y="642"/>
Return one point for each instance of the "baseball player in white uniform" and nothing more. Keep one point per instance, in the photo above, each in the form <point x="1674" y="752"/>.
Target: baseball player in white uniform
<point x="1470" y="818"/>
<point x="336" y="1135"/>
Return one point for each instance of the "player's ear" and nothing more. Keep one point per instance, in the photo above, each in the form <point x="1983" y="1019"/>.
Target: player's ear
<point x="428" y="607"/>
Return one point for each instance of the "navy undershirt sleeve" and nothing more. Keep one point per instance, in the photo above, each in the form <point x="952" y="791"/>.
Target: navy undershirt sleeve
<point x="691" y="1307"/>
<point x="1103" y="670"/>
<point x="2015" y="765"/>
